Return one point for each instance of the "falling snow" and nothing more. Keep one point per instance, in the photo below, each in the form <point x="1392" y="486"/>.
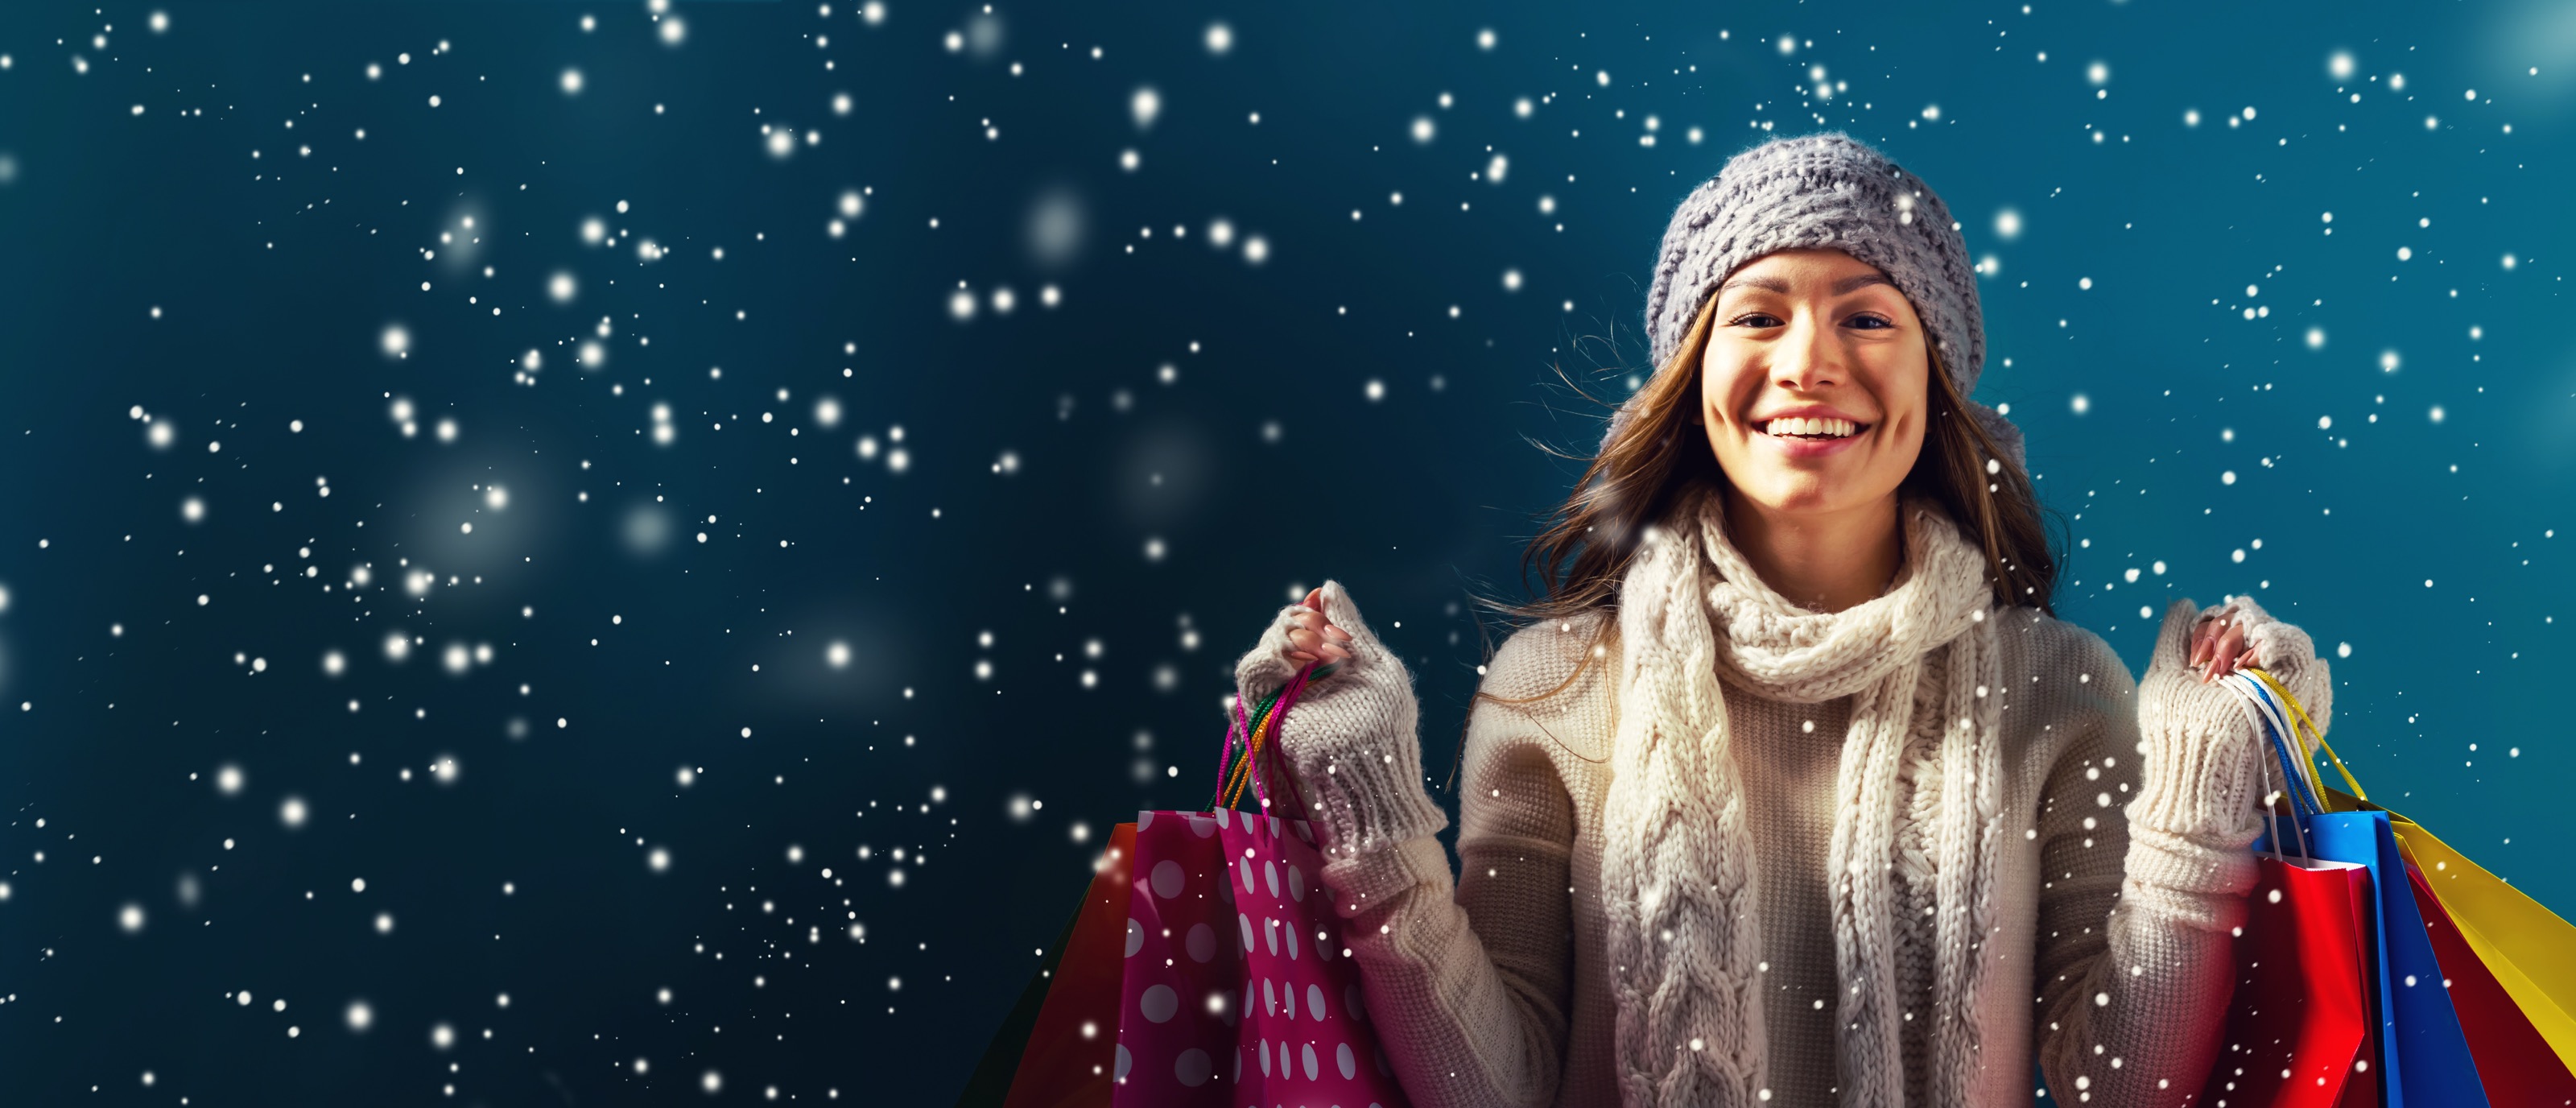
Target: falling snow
<point x="622" y="552"/>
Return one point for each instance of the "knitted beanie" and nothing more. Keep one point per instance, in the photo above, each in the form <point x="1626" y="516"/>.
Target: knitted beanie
<point x="1824" y="190"/>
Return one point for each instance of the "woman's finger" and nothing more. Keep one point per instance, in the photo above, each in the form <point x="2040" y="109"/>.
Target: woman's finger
<point x="1311" y="639"/>
<point x="2204" y="643"/>
<point x="2230" y="644"/>
<point x="1326" y="655"/>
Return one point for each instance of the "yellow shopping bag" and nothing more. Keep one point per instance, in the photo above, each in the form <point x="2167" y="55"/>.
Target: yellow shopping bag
<point x="2531" y="951"/>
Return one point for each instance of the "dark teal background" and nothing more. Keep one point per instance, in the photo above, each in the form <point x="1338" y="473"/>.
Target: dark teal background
<point x="2425" y="545"/>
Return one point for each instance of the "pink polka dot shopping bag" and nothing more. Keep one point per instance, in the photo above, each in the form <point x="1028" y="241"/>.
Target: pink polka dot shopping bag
<point x="1233" y="989"/>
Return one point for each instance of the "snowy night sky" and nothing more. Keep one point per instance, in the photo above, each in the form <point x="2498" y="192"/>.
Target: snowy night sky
<point x="621" y="552"/>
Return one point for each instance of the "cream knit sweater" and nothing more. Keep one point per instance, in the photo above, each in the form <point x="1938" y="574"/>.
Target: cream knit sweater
<point x="2111" y="908"/>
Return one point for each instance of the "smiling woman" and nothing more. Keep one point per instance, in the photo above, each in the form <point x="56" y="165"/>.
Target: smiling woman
<point x="1812" y="394"/>
<point x="1793" y="747"/>
<point x="1801" y="334"/>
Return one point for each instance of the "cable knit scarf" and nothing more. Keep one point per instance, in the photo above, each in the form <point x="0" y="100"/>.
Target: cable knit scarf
<point x="1917" y="821"/>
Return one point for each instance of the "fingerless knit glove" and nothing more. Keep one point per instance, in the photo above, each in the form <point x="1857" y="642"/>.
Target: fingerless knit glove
<point x="2202" y="776"/>
<point x="1350" y="738"/>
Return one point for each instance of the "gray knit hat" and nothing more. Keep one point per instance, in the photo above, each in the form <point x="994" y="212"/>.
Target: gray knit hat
<point x="1824" y="190"/>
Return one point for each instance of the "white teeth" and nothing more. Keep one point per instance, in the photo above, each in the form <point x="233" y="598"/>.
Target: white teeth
<point x="1801" y="425"/>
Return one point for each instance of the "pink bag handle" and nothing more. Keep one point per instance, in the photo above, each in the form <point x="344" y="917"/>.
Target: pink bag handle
<point x="1257" y="736"/>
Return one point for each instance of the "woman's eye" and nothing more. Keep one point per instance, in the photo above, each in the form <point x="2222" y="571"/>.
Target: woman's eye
<point x="1756" y="319"/>
<point x="1871" y="322"/>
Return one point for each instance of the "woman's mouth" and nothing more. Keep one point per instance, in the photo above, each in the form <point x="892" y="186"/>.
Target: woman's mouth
<point x="1810" y="437"/>
<point x="1810" y="429"/>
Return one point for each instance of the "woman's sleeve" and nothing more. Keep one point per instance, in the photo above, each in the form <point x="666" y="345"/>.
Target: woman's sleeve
<point x="1467" y="983"/>
<point x="2145" y="827"/>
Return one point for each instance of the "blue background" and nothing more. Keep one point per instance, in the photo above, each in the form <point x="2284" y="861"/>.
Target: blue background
<point x="1357" y="398"/>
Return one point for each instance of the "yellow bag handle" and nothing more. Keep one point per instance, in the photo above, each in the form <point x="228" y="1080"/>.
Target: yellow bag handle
<point x="2301" y="723"/>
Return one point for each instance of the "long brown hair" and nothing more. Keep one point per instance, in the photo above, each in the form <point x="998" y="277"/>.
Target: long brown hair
<point x="1660" y="455"/>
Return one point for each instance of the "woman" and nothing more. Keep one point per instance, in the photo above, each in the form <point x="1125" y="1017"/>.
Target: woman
<point x="1796" y="793"/>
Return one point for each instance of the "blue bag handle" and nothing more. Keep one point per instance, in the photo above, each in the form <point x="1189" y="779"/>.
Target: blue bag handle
<point x="2275" y="726"/>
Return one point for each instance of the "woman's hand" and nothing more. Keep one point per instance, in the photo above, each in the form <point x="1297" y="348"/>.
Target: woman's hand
<point x="1350" y="740"/>
<point x="2239" y="634"/>
<point x="2218" y="646"/>
<point x="1312" y="636"/>
<point x="2204" y="752"/>
<point x="1309" y="633"/>
<point x="2206" y="743"/>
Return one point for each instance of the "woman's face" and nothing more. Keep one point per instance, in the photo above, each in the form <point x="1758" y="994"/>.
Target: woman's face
<point x="1814" y="387"/>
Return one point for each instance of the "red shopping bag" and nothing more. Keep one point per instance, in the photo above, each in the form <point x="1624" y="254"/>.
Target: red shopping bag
<point x="1072" y="1047"/>
<point x="2302" y="1026"/>
<point x="2514" y="1062"/>
<point x="2299" y="1027"/>
<point x="1054" y="1048"/>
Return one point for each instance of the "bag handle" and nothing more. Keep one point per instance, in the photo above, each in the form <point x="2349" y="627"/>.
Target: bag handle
<point x="2286" y="734"/>
<point x="2302" y="787"/>
<point x="1256" y="736"/>
<point x="2271" y="817"/>
<point x="2309" y="725"/>
<point x="2302" y="801"/>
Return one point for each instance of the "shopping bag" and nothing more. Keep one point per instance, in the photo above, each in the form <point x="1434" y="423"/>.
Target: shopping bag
<point x="2299" y="1028"/>
<point x="990" y="1084"/>
<point x="2531" y="951"/>
<point x="1071" y="1049"/>
<point x="1305" y="1024"/>
<point x="1235" y="989"/>
<point x="2424" y="1057"/>
<point x="1181" y="978"/>
<point x="2514" y="1062"/>
<point x="1053" y="1050"/>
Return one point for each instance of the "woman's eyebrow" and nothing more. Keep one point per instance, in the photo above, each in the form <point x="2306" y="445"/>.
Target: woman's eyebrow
<point x="1774" y="284"/>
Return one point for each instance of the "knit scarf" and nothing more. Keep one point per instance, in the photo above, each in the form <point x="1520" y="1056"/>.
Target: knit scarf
<point x="1917" y="820"/>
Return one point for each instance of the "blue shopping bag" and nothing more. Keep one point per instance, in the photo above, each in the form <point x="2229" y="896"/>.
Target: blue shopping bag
<point x="2424" y="1058"/>
<point x="2425" y="1055"/>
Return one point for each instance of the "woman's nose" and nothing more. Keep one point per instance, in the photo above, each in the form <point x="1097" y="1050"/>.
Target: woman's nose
<point x="1807" y="357"/>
